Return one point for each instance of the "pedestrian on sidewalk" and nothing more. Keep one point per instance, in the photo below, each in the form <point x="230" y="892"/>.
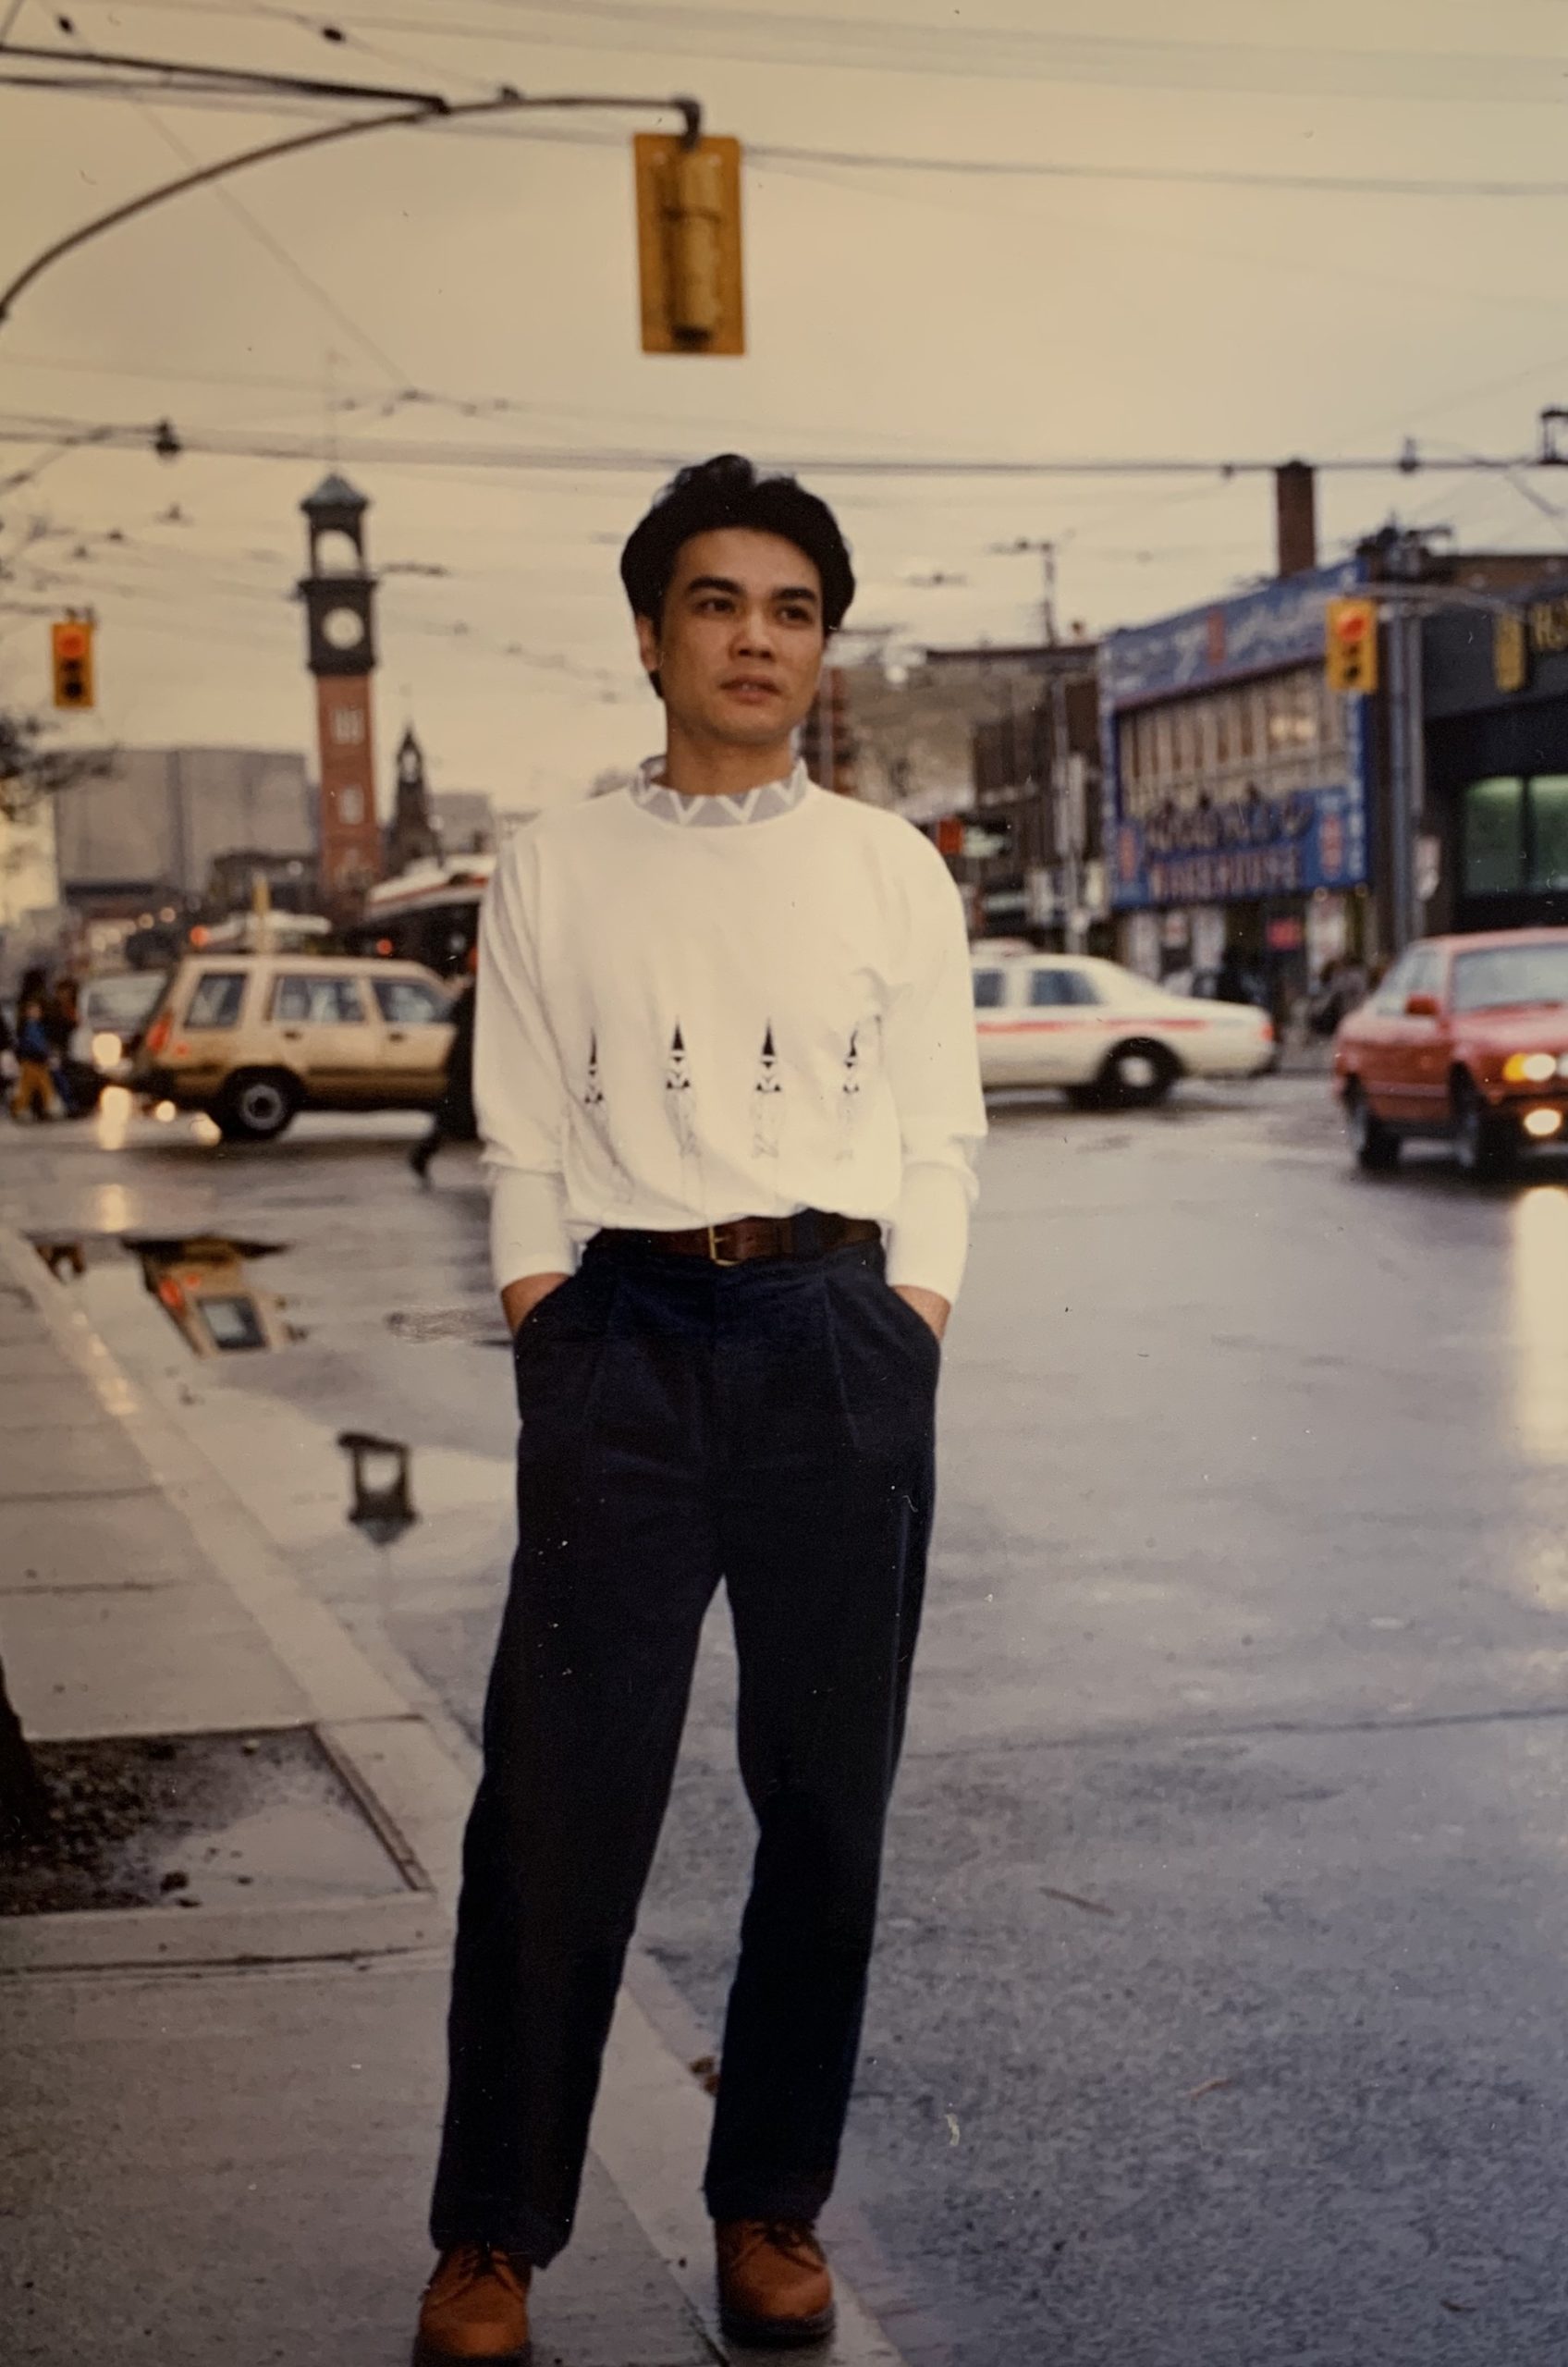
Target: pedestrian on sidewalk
<point x="33" y="1093"/>
<point x="454" y="1120"/>
<point x="726" y="1045"/>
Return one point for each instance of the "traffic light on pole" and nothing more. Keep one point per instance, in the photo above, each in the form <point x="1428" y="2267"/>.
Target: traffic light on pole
<point x="70" y="650"/>
<point x="1351" y="644"/>
<point x="689" y="243"/>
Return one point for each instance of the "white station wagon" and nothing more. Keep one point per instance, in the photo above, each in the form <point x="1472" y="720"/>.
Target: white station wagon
<point x="1106" y="1036"/>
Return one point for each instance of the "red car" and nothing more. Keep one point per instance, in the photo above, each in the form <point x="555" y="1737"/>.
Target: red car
<point x="1465" y="1040"/>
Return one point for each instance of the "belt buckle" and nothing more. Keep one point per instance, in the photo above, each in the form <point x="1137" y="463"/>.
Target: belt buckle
<point x="713" y="1250"/>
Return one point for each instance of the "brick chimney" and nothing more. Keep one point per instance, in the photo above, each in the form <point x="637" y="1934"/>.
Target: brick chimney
<point x="1296" y="518"/>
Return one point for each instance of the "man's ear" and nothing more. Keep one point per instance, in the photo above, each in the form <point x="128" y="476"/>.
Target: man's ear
<point x="648" y="644"/>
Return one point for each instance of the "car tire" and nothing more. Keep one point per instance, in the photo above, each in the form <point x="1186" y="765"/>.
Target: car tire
<point x="1135" y="1076"/>
<point x="1485" y="1145"/>
<point x="1376" y="1146"/>
<point x="256" y="1105"/>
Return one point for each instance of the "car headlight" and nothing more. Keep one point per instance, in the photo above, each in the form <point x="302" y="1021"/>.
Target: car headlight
<point x="106" y="1049"/>
<point x="1529" y="1068"/>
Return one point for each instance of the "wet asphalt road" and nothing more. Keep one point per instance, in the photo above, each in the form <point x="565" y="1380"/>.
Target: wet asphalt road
<point x="1220" y="2011"/>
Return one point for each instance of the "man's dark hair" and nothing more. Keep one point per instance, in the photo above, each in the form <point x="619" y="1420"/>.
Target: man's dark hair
<point x="727" y="491"/>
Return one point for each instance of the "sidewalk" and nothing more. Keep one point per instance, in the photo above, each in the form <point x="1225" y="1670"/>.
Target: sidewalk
<point x="220" y="2122"/>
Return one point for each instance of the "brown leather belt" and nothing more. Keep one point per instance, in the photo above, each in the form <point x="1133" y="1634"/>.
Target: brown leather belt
<point x="809" y="1234"/>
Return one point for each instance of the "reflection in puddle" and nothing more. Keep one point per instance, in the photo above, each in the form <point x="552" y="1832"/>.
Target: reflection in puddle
<point x="112" y="1213"/>
<point x="1541" y="1323"/>
<point x="113" y="1122"/>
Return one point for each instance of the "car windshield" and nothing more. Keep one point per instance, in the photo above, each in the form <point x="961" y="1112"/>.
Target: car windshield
<point x="122" y="1000"/>
<point x="1507" y="975"/>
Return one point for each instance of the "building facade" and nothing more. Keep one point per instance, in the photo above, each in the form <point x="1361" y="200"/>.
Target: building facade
<point x="1237" y="786"/>
<point x="465" y="820"/>
<point x="149" y="829"/>
<point x="1034" y="854"/>
<point x="1495" y="829"/>
<point x="974" y="745"/>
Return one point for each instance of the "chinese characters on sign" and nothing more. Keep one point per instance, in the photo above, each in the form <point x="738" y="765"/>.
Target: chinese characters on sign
<point x="1233" y="769"/>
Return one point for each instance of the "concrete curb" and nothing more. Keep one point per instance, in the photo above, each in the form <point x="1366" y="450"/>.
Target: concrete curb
<point x="412" y="1769"/>
<point x="409" y="1787"/>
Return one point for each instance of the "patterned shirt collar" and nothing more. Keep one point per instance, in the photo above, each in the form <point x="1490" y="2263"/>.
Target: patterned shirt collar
<point x="761" y="804"/>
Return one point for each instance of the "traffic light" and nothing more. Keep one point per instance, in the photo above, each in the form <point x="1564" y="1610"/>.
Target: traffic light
<point x="1351" y="644"/>
<point x="70" y="648"/>
<point x="689" y="243"/>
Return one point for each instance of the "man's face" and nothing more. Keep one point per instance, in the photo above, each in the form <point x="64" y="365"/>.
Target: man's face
<point x="739" y="647"/>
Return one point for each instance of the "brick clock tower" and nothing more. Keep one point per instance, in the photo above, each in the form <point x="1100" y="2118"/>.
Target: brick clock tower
<point x="339" y="596"/>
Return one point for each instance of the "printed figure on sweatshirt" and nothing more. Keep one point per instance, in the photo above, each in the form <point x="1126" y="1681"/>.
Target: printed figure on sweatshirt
<point x="768" y="1099"/>
<point x="849" y="1097"/>
<point x="593" y="1103"/>
<point x="677" y="1094"/>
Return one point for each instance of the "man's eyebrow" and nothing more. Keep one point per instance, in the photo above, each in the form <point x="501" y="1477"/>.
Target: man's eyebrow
<point x="727" y="583"/>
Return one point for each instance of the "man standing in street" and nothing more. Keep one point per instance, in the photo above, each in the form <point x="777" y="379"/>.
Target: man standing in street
<point x="725" y="1047"/>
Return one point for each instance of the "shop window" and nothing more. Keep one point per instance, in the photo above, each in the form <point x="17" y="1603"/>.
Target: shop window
<point x="1549" y="830"/>
<point x="1494" y="836"/>
<point x="1224" y="732"/>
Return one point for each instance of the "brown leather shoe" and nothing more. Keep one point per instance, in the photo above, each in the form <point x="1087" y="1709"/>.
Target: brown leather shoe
<point x="774" y="2286"/>
<point x="475" y="2307"/>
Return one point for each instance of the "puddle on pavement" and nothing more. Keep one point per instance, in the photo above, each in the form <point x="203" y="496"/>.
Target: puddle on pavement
<point x="185" y="1821"/>
<point x="199" y="1279"/>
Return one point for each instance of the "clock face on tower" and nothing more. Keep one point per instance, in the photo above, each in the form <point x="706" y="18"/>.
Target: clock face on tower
<point x="344" y="628"/>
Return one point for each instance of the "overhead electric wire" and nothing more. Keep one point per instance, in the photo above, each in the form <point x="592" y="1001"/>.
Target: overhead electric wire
<point x="248" y="83"/>
<point x="257" y="229"/>
<point x="892" y="46"/>
<point x="601" y="459"/>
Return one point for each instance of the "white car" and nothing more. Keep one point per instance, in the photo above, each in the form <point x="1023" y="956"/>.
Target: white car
<point x="1102" y="1034"/>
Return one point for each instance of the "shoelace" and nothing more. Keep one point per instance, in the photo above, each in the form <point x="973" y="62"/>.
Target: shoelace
<point x="794" y="2238"/>
<point x="473" y="2260"/>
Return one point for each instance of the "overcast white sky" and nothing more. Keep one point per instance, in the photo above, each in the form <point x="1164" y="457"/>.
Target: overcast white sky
<point x="892" y="314"/>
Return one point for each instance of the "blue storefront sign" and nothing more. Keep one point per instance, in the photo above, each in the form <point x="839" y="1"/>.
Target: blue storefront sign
<point x="1239" y="838"/>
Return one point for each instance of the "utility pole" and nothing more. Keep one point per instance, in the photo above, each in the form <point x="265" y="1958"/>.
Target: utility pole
<point x="1402" y="829"/>
<point x="1407" y="739"/>
<point x="1046" y="552"/>
<point x="1404" y="598"/>
<point x="1407" y="748"/>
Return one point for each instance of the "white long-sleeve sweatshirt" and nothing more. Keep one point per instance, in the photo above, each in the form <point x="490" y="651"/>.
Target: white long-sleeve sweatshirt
<point x="692" y="1009"/>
